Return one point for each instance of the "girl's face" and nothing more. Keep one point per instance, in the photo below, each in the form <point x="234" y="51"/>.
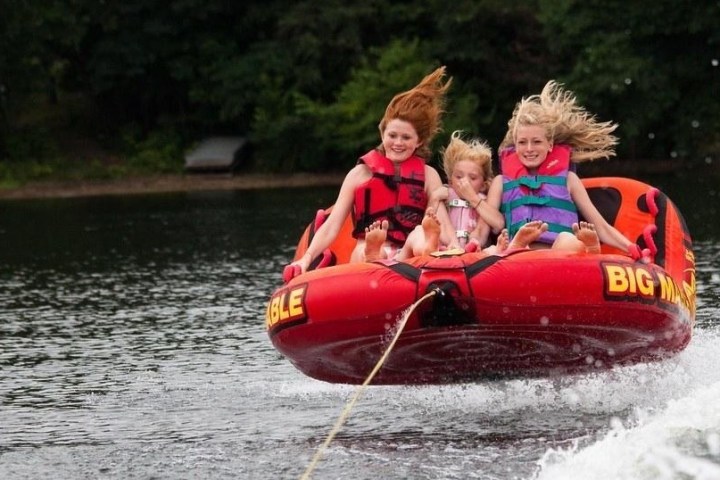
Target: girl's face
<point x="531" y="145"/>
<point x="400" y="140"/>
<point x="471" y="171"/>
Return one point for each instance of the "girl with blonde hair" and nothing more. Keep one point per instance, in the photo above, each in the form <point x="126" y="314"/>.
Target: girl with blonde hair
<point x="546" y="135"/>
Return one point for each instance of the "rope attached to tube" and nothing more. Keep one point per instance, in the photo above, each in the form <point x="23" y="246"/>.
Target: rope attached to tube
<point x="346" y="412"/>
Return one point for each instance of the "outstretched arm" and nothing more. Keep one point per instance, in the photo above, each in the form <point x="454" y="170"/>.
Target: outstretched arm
<point x="606" y="232"/>
<point x="440" y="195"/>
<point x="329" y="230"/>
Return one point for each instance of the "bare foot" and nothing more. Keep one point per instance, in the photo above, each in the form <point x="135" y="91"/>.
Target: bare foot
<point x="431" y="228"/>
<point x="585" y="232"/>
<point x="528" y="233"/>
<point x="503" y="241"/>
<point x="375" y="236"/>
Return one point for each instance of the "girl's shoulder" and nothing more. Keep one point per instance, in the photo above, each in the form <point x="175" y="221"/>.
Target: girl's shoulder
<point x="432" y="177"/>
<point x="359" y="173"/>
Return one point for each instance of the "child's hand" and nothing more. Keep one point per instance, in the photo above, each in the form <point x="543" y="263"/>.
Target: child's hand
<point x="466" y="191"/>
<point x="296" y="268"/>
<point x="440" y="194"/>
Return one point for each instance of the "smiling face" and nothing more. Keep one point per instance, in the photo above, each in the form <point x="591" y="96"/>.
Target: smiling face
<point x="400" y="140"/>
<point x="470" y="171"/>
<point x="531" y="145"/>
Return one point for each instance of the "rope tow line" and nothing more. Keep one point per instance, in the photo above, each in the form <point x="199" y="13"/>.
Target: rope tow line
<point x="346" y="412"/>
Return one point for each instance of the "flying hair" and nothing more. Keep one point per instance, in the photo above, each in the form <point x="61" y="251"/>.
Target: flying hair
<point x="474" y="150"/>
<point x="565" y="122"/>
<point x="422" y="106"/>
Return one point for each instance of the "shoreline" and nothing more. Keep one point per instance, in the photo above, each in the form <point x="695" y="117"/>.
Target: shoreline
<point x="189" y="182"/>
<point x="166" y="184"/>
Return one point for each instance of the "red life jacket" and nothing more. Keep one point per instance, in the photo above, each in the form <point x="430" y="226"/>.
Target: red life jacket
<point x="396" y="192"/>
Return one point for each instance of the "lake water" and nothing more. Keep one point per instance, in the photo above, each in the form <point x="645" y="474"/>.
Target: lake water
<point x="132" y="345"/>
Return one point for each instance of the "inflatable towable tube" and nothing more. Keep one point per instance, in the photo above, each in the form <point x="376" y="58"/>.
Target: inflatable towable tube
<point x="524" y="314"/>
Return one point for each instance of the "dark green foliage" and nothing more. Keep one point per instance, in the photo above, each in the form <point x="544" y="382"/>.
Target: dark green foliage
<point x="650" y="66"/>
<point x="347" y="126"/>
<point x="307" y="81"/>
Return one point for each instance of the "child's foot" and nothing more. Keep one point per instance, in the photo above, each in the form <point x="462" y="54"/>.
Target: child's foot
<point x="375" y="236"/>
<point x="431" y="229"/>
<point x="528" y="233"/>
<point x="503" y="241"/>
<point x="585" y="232"/>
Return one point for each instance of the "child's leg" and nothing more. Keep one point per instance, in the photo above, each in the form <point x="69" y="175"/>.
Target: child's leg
<point x="375" y="236"/>
<point x="431" y="231"/>
<point x="585" y="232"/>
<point x="413" y="245"/>
<point x="585" y="239"/>
<point x="527" y="234"/>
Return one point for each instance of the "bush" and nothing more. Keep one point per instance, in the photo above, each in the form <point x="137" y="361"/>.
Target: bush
<point x="161" y="151"/>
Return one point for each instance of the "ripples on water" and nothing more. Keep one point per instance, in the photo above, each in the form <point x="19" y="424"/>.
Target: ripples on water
<point x="132" y="345"/>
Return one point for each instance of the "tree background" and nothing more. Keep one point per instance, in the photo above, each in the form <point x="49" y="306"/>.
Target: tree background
<point x="122" y="86"/>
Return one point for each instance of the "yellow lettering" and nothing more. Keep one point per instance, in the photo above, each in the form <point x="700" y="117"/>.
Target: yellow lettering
<point x="689" y="290"/>
<point x="271" y="316"/>
<point x="633" y="287"/>
<point x="649" y="285"/>
<point x="295" y="303"/>
<point x="667" y="288"/>
<point x="617" y="280"/>
<point x="276" y="309"/>
<point x="285" y="305"/>
<point x="284" y="314"/>
<point x="645" y="282"/>
<point x="690" y="256"/>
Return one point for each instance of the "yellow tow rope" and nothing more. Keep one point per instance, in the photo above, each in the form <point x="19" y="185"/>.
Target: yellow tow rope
<point x="361" y="388"/>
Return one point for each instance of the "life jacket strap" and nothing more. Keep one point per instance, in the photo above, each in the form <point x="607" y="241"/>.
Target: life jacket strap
<point x="539" y="202"/>
<point x="534" y="182"/>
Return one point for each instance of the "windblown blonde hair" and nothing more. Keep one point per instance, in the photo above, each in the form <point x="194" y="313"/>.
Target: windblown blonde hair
<point x="474" y="150"/>
<point x="565" y="122"/>
<point x="422" y="106"/>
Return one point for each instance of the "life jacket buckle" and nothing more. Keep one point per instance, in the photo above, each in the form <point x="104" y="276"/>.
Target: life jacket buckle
<point x="458" y="202"/>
